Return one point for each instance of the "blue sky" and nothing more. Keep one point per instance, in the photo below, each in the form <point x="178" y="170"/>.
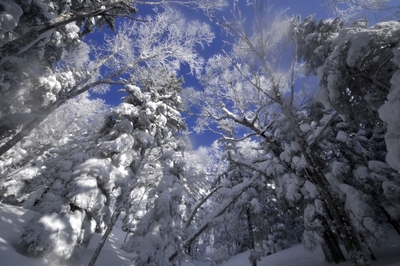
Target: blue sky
<point x="294" y="7"/>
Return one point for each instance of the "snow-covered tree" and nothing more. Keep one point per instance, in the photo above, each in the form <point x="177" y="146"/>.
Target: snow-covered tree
<point x="348" y="9"/>
<point x="159" y="232"/>
<point x="130" y="54"/>
<point x="256" y="218"/>
<point x="356" y="68"/>
<point x="35" y="36"/>
<point x="359" y="154"/>
<point x="115" y="163"/>
<point x="79" y="116"/>
<point x="96" y="179"/>
<point x="388" y="113"/>
<point x="247" y="94"/>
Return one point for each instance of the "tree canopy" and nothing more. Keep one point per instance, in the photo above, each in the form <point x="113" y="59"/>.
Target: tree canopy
<point x="305" y="113"/>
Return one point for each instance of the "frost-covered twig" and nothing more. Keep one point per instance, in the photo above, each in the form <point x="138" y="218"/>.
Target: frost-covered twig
<point x="198" y="205"/>
<point x="322" y="130"/>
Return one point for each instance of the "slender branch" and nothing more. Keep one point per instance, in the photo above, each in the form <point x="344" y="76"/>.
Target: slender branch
<point x="27" y="40"/>
<point x="236" y="192"/>
<point x="198" y="205"/>
<point x="327" y="124"/>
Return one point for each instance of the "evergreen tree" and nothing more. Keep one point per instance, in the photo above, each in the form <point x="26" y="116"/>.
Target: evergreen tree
<point x="257" y="217"/>
<point x="356" y="70"/>
<point x="132" y="134"/>
<point x="99" y="183"/>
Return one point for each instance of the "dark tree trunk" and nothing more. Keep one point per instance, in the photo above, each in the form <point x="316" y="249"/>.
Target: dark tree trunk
<point x="371" y="254"/>
<point x="251" y="236"/>
<point x="343" y="223"/>
<point x="86" y="231"/>
<point x="331" y="248"/>
<point x="350" y="237"/>
<point x="393" y="222"/>
<point x="250" y="228"/>
<point x="110" y="226"/>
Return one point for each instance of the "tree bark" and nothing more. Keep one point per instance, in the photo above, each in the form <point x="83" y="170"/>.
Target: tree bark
<point x="350" y="237"/>
<point x="22" y="134"/>
<point x="331" y="249"/>
<point x="110" y="226"/>
<point x="251" y="236"/>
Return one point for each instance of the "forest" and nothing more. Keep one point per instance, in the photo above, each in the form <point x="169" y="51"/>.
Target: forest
<point x="305" y="113"/>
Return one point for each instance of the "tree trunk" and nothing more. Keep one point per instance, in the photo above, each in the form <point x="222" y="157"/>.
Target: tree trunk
<point x="32" y="37"/>
<point x="22" y="134"/>
<point x="327" y="250"/>
<point x="371" y="253"/>
<point x="44" y="113"/>
<point x="350" y="237"/>
<point x="331" y="248"/>
<point x="251" y="237"/>
<point x="331" y="240"/>
<point x="86" y="231"/>
<point x="110" y="226"/>
<point x="393" y="222"/>
<point x="343" y="223"/>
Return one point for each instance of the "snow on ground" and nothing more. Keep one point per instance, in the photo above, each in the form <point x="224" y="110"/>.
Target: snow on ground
<point x="13" y="218"/>
<point x="11" y="221"/>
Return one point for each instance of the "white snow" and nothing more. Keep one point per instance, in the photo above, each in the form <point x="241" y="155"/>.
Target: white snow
<point x="305" y="128"/>
<point x="390" y="113"/>
<point x="10" y="16"/>
<point x="285" y="156"/>
<point x="342" y="136"/>
<point x="13" y="218"/>
<point x="85" y="193"/>
<point x="64" y="232"/>
<point x="358" y="42"/>
<point x="396" y="53"/>
<point x="309" y="190"/>
<point x="126" y="109"/>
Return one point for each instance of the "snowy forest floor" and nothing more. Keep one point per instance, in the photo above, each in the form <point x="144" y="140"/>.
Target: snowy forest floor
<point x="12" y="220"/>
